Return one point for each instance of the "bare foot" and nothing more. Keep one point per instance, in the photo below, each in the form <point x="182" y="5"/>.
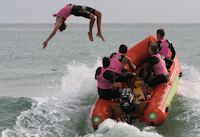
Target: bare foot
<point x="100" y="36"/>
<point x="45" y="44"/>
<point x="90" y="36"/>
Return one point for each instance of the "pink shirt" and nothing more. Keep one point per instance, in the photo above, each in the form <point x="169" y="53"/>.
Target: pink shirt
<point x="165" y="51"/>
<point x="65" y="12"/>
<point x="160" y="68"/>
<point x="115" y="64"/>
<point x="102" y="82"/>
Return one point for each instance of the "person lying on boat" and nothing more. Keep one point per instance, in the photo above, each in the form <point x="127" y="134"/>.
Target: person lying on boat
<point x="156" y="66"/>
<point x="118" y="61"/>
<point x="76" y="10"/>
<point x="107" y="87"/>
<point x="166" y="48"/>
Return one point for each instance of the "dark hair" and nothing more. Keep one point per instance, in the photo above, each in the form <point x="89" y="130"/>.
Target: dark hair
<point x="161" y="32"/>
<point x="112" y="55"/>
<point x="62" y="27"/>
<point x="154" y="49"/>
<point x="105" y="62"/>
<point x="123" y="49"/>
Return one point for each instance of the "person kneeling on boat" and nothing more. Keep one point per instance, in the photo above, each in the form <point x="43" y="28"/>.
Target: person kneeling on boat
<point x="107" y="88"/>
<point x="156" y="65"/>
<point x="118" y="61"/>
<point x="166" y="49"/>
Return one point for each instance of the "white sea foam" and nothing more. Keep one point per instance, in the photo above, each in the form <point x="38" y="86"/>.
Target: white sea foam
<point x="49" y="116"/>
<point x="190" y="84"/>
<point x="189" y="89"/>
<point x="110" y="128"/>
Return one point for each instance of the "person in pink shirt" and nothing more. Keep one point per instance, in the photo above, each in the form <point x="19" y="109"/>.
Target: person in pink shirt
<point x="76" y="10"/>
<point x="166" y="49"/>
<point x="156" y="65"/>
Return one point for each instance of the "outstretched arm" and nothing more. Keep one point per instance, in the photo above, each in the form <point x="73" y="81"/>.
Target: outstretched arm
<point x="57" y="26"/>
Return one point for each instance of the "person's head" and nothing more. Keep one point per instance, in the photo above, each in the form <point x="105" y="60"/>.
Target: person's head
<point x="123" y="49"/>
<point x="106" y="62"/>
<point x="153" y="49"/>
<point x="62" y="27"/>
<point x="160" y="33"/>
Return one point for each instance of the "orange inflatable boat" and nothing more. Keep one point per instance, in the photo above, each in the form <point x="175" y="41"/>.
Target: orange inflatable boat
<point x="153" y="110"/>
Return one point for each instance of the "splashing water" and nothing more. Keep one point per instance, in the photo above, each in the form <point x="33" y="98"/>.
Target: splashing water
<point x="110" y="128"/>
<point x="189" y="89"/>
<point x="49" y="116"/>
<point x="66" y="114"/>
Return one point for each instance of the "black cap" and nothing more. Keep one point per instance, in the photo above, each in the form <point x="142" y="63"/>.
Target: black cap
<point x="106" y="62"/>
<point x="123" y="48"/>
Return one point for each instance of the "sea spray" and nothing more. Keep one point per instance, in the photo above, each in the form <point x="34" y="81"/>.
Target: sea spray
<point x="111" y="128"/>
<point x="49" y="116"/>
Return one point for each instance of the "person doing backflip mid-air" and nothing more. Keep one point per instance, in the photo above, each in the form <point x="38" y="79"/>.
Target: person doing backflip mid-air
<point x="76" y="10"/>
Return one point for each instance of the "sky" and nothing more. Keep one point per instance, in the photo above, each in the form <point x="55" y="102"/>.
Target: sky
<point x="113" y="11"/>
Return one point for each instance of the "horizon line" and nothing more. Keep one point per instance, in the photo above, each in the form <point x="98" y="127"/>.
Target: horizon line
<point x="106" y="23"/>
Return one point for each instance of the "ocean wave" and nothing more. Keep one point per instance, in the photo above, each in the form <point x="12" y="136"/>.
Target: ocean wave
<point x="66" y="112"/>
<point x="60" y="114"/>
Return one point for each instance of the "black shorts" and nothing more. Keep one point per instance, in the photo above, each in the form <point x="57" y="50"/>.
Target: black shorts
<point x="123" y="77"/>
<point x="82" y="11"/>
<point x="108" y="93"/>
<point x="157" y="80"/>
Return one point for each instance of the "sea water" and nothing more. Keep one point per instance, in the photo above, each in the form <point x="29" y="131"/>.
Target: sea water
<point x="49" y="92"/>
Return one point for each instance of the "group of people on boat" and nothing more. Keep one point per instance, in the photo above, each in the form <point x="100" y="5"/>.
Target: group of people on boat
<point x="154" y="71"/>
<point x="162" y="54"/>
<point x="112" y="73"/>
